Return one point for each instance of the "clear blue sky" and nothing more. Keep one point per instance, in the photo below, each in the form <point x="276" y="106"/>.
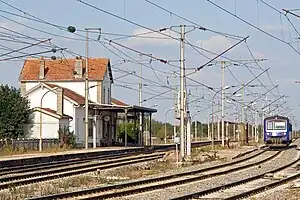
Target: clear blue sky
<point x="282" y="60"/>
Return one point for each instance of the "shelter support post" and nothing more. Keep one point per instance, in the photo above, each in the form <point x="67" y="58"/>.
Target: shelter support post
<point x="126" y="122"/>
<point x="150" y="129"/>
<point x="134" y="125"/>
<point x="142" y="132"/>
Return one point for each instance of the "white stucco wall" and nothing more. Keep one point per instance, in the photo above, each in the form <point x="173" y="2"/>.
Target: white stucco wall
<point x="79" y="124"/>
<point x="50" y="126"/>
<point x="50" y="101"/>
<point x="79" y="87"/>
<point x="80" y="127"/>
<point x="106" y="89"/>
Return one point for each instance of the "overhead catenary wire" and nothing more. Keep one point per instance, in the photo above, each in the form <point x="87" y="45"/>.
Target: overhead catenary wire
<point x="126" y="20"/>
<point x="121" y="35"/>
<point x="167" y="63"/>
<point x="30" y="54"/>
<point x="37" y="19"/>
<point x="33" y="54"/>
<point x="281" y="13"/>
<point x="253" y="26"/>
<point x="154" y="96"/>
<point x="190" y="21"/>
<point x="144" y="65"/>
<point x="26" y="47"/>
<point x="217" y="56"/>
<point x="13" y="57"/>
<point x="260" y="68"/>
<point x="23" y="42"/>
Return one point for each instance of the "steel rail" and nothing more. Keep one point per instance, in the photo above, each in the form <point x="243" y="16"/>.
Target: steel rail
<point x="153" y="180"/>
<point x="61" y="163"/>
<point x="233" y="184"/>
<point x="66" y="163"/>
<point x="63" y="158"/>
<point x="264" y="188"/>
<point x="43" y="166"/>
<point x="46" y="159"/>
<point x="24" y="179"/>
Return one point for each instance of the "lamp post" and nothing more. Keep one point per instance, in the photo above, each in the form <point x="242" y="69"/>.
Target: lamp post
<point x="87" y="87"/>
<point x="166" y="123"/>
<point x="41" y="118"/>
<point x="72" y="29"/>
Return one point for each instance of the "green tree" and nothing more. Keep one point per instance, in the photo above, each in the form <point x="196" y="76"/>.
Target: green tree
<point x="201" y="129"/>
<point x="132" y="132"/>
<point x="15" y="113"/>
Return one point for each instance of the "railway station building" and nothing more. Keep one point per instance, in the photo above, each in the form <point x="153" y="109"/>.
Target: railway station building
<point x="56" y="89"/>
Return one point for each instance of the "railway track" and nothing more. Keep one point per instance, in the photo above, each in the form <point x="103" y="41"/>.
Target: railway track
<point x="246" y="185"/>
<point x="80" y="160"/>
<point x="44" y="175"/>
<point x="31" y="173"/>
<point x="140" y="186"/>
<point x="198" y="195"/>
<point x="264" y="187"/>
<point x="261" y="184"/>
<point x="51" y="165"/>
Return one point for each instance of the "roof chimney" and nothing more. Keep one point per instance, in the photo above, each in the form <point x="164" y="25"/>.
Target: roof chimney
<point x="78" y="67"/>
<point x="42" y="68"/>
<point x="60" y="101"/>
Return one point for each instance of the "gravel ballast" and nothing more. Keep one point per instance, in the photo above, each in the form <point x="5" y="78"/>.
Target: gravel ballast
<point x="181" y="190"/>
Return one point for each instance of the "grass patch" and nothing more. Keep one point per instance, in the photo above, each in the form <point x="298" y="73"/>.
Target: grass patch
<point x="9" y="150"/>
<point x="139" y="170"/>
<point x="52" y="187"/>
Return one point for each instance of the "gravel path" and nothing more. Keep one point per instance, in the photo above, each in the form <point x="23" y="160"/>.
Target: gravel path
<point x="218" y="181"/>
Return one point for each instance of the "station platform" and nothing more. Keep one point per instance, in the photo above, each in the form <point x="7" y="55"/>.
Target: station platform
<point x="72" y="151"/>
<point x="27" y="159"/>
<point x="35" y="158"/>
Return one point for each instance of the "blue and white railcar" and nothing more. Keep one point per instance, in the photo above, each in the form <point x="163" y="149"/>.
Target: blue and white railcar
<point x="277" y="130"/>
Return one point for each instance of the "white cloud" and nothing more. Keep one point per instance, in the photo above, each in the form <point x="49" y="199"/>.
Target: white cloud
<point x="215" y="44"/>
<point x="145" y="36"/>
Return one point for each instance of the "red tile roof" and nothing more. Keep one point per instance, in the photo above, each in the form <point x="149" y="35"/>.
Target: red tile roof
<point x="117" y="102"/>
<point x="54" y="112"/>
<point x="63" y="69"/>
<point x="71" y="94"/>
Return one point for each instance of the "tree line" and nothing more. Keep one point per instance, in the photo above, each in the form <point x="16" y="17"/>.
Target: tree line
<point x="158" y="130"/>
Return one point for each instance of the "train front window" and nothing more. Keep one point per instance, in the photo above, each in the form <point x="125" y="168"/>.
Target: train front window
<point x="279" y="125"/>
<point x="269" y="125"/>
